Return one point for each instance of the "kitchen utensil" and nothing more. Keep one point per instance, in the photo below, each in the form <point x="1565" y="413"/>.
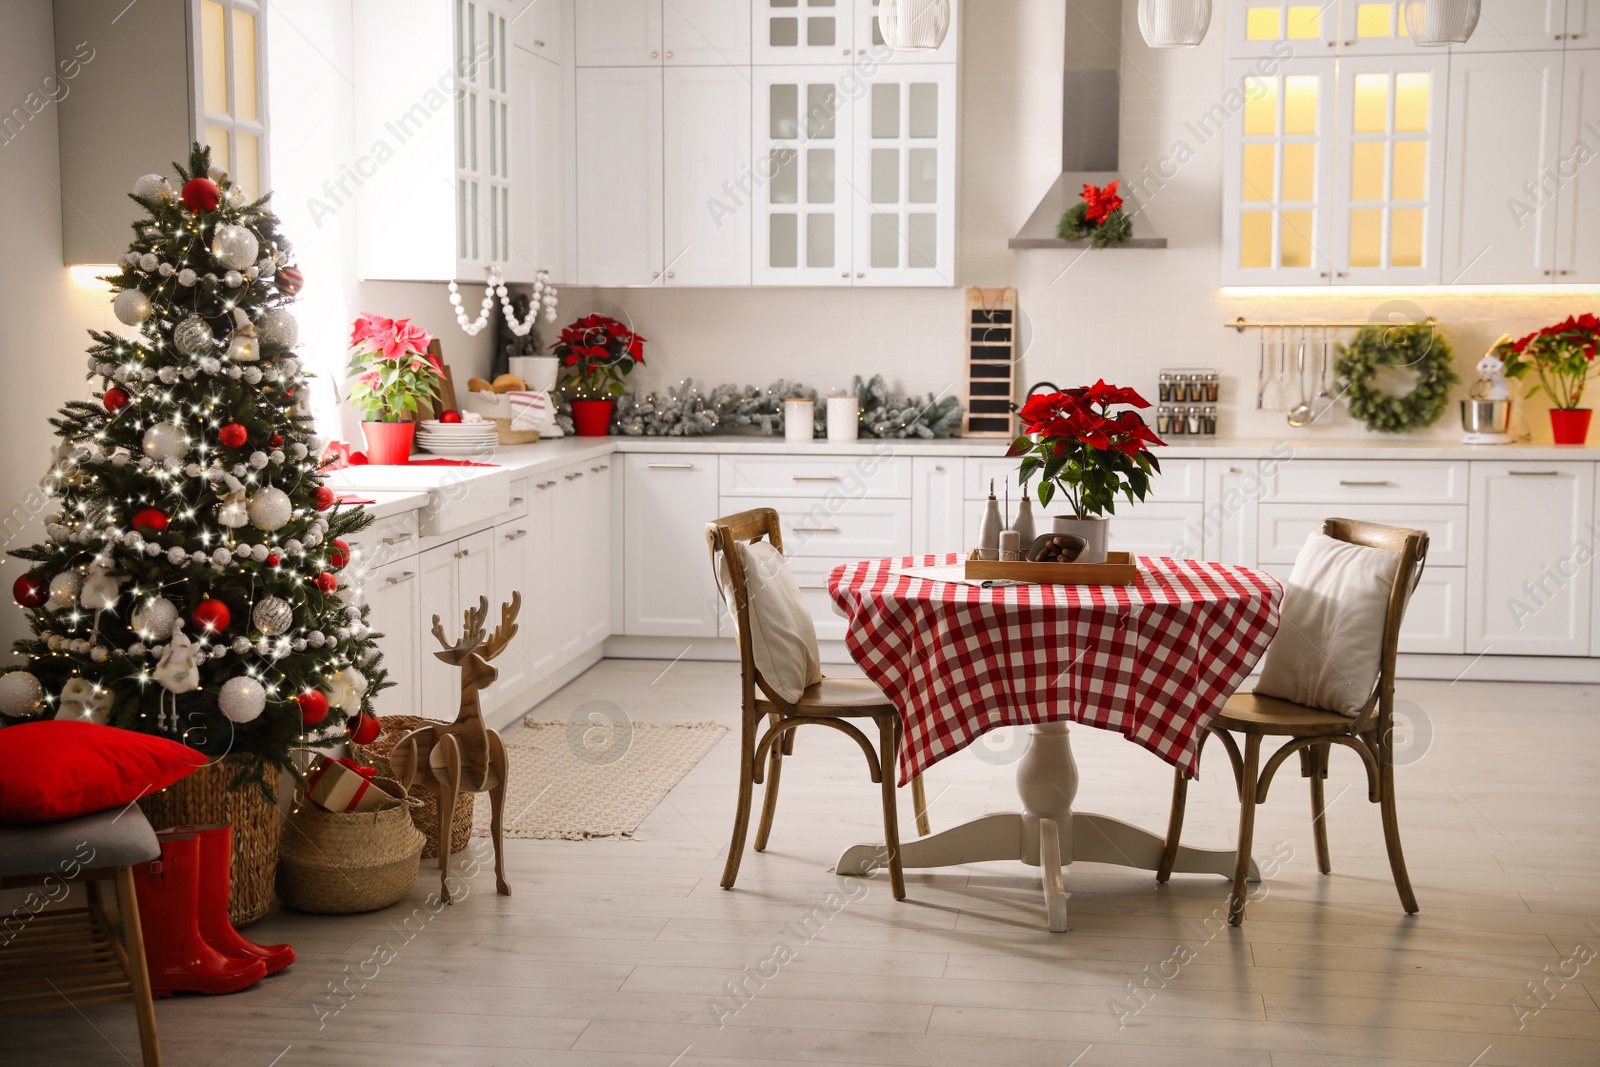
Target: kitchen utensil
<point x="1322" y="406"/>
<point x="1261" y="370"/>
<point x="1486" y="422"/>
<point x="1277" y="386"/>
<point x="1301" y="414"/>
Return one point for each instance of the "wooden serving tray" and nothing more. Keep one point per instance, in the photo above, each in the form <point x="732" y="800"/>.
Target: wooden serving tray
<point x="1120" y="568"/>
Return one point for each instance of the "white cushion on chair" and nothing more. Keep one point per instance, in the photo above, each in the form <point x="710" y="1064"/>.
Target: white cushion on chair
<point x="1330" y="641"/>
<point x="783" y="639"/>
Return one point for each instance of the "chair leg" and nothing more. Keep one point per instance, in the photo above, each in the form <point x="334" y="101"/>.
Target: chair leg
<point x="888" y="746"/>
<point x="144" y="1009"/>
<point x="1169" y="853"/>
<point x="741" y="818"/>
<point x="1318" y="758"/>
<point x="919" y="801"/>
<point x="1247" y="826"/>
<point x="769" y="794"/>
<point x="1391" y="823"/>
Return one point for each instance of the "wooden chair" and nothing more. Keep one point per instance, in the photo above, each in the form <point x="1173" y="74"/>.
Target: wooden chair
<point x="830" y="702"/>
<point x="1313" y="732"/>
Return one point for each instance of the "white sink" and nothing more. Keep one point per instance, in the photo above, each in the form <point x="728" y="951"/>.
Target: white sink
<point x="458" y="497"/>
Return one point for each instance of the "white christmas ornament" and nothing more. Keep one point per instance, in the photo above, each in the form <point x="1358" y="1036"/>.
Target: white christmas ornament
<point x="242" y="698"/>
<point x="152" y="187"/>
<point x="179" y="670"/>
<point x="243" y="346"/>
<point x="234" y="247"/>
<point x="101" y="589"/>
<point x="148" y="262"/>
<point x="270" y="509"/>
<point x="64" y="590"/>
<point x="164" y="441"/>
<point x="131" y="307"/>
<point x="193" y="337"/>
<point x="233" y="513"/>
<point x="20" y="694"/>
<point x="84" y="701"/>
<point x="233" y="279"/>
<point x="187" y="277"/>
<point x="272" y="616"/>
<point x="347" y="688"/>
<point x="277" y="326"/>
<point x="154" y="619"/>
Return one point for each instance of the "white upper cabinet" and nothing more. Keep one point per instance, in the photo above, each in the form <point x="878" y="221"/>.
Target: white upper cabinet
<point x="1583" y="24"/>
<point x="803" y="31"/>
<point x="706" y="33"/>
<point x="1505" y="110"/>
<point x="706" y="119"/>
<point x="903" y="194"/>
<point x="618" y="200"/>
<point x="617" y="33"/>
<point x="803" y="159"/>
<point x="1519" y="25"/>
<point x="1374" y="28"/>
<point x="540" y="27"/>
<point x="1282" y="29"/>
<point x="548" y="209"/>
<point x="1578" y="201"/>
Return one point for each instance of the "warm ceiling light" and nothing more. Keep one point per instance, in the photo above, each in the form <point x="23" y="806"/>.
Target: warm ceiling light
<point x="914" y="25"/>
<point x="1174" y="23"/>
<point x="1432" y="23"/>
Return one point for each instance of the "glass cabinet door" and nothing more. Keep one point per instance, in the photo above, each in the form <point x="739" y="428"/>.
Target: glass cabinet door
<point x="232" y="97"/>
<point x="803" y="31"/>
<point x="1287" y="29"/>
<point x="903" y="192"/>
<point x="800" y="177"/>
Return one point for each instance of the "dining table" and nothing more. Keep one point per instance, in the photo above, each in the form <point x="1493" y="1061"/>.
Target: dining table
<point x="1154" y="660"/>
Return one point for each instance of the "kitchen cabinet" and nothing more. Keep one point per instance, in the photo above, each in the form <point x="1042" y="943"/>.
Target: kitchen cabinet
<point x="546" y="22"/>
<point x="582" y="554"/>
<point x="1530" y="563"/>
<point x="392" y="594"/>
<point x="869" y="39"/>
<point x="706" y="123"/>
<point x="803" y="153"/>
<point x="613" y="33"/>
<point x="653" y="33"/>
<point x="1521" y="26"/>
<point x="1228" y="524"/>
<point x="787" y="32"/>
<point x="1583" y="25"/>
<point x="452" y="576"/>
<point x="513" y="569"/>
<point x="938" y="507"/>
<point x="618" y="197"/>
<point x="548" y="211"/>
<point x="668" y="589"/>
<point x="1577" y="256"/>
<point x="1277" y="28"/>
<point x="904" y="188"/>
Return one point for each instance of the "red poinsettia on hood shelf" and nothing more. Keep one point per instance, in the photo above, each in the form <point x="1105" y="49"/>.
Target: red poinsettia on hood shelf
<point x="1098" y="216"/>
<point x="596" y="353"/>
<point x="1078" y="446"/>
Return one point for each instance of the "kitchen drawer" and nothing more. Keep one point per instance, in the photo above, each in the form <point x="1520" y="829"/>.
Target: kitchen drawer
<point x="1435" y="618"/>
<point x="843" y="529"/>
<point x="1409" y="482"/>
<point x="1180" y="479"/>
<point x="1285" y="527"/>
<point x="784" y="477"/>
<point x="811" y="574"/>
<point x="385" y="541"/>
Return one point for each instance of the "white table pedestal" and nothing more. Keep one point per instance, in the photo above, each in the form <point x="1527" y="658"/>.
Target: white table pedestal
<point x="1047" y="833"/>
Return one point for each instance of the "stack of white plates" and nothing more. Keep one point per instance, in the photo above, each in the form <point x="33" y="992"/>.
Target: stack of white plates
<point x="457" y="439"/>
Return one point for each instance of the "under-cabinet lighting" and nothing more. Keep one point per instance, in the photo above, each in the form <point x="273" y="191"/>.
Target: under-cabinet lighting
<point x="1326" y="291"/>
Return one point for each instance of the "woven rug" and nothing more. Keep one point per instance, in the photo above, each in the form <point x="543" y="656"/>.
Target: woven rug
<point x="571" y="781"/>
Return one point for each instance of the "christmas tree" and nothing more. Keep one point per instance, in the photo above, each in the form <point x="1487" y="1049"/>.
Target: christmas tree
<point x="189" y="583"/>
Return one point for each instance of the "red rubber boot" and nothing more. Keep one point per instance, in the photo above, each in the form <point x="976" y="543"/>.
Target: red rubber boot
<point x="178" y="956"/>
<point x="216" y="865"/>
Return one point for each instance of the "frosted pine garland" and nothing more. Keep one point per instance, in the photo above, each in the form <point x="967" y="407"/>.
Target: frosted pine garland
<point x="685" y="410"/>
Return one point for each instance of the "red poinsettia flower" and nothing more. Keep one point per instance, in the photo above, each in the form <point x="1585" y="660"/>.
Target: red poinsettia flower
<point x="1100" y="202"/>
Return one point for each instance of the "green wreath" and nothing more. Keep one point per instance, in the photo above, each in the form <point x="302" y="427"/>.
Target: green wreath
<point x="1419" y="348"/>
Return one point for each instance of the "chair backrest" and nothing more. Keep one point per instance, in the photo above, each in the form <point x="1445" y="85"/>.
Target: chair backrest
<point x="748" y="526"/>
<point x="1413" y="548"/>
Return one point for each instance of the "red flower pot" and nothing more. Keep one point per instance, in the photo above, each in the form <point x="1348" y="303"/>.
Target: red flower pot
<point x="388" y="442"/>
<point x="1570" y="426"/>
<point x="592" y="417"/>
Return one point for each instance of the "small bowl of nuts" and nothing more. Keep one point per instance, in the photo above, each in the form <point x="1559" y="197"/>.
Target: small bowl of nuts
<point x="1056" y="548"/>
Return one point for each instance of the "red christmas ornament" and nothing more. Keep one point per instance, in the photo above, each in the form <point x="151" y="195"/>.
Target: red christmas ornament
<point x="200" y="194"/>
<point x="339" y="554"/>
<point x="327" y="582"/>
<point x="29" y="591"/>
<point x="114" y="400"/>
<point x="364" y="729"/>
<point x="290" y="280"/>
<point x="233" y="435"/>
<point x="152" y="519"/>
<point x="450" y="416"/>
<point x="325" y="498"/>
<point x="272" y="560"/>
<point x="276" y="440"/>
<point x="313" y="707"/>
<point x="211" y="616"/>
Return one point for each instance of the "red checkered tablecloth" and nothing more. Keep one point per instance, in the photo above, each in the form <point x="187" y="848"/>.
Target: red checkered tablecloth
<point x="1154" y="661"/>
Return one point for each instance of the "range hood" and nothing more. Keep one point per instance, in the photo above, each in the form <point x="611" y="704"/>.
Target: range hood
<point x="1091" y="96"/>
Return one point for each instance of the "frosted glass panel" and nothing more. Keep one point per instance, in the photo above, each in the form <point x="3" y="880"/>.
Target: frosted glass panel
<point x="922" y="233"/>
<point x="1259" y="168"/>
<point x="784" y="3"/>
<point x="784" y="241"/>
<point x="1262" y="24"/>
<point x="244" y="66"/>
<point x="819" y="240"/>
<point x="784" y="188"/>
<point x="1373" y="20"/>
<point x="1411" y="103"/>
<point x="1366" y="238"/>
<point x="922" y="179"/>
<point x="1255" y="239"/>
<point x="820" y="181"/>
<point x="820" y="31"/>
<point x="217" y="141"/>
<point x="886" y="110"/>
<point x="783" y="32"/>
<point x="247" y="164"/>
<point x="822" y="104"/>
<point x="1260" y="105"/>
<point x="1296" y="239"/>
<point x="1405" y="237"/>
<point x="1372" y="103"/>
<point x="885" y="175"/>
<point x="885" y="242"/>
<point x="1366" y="170"/>
<point x="783" y="101"/>
<point x="1410" y="170"/>
<point x="1305" y="23"/>
<point x="924" y="109"/>
<point x="1300" y="103"/>
<point x="214" y="58"/>
<point x="1299" y="172"/>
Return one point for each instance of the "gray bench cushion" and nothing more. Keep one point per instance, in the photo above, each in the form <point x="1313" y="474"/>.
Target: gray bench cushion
<point x="116" y="837"/>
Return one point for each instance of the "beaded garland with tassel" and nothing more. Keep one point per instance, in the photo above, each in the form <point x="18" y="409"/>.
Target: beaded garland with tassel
<point x="190" y="577"/>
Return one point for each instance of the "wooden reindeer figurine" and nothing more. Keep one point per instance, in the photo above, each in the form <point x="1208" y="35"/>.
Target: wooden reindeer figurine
<point x="451" y="757"/>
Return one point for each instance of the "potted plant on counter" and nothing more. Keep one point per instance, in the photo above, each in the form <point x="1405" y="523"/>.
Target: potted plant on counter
<point x="1079" y="448"/>
<point x="1562" y="356"/>
<point x="596" y="354"/>
<point x="394" y="374"/>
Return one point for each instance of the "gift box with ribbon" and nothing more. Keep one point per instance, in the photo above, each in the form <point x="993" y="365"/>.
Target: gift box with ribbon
<point x="342" y="785"/>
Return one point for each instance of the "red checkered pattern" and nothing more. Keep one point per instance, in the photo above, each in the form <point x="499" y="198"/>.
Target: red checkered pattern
<point x="1154" y="661"/>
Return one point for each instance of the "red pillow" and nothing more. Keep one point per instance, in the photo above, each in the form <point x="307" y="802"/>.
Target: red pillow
<point x="61" y="768"/>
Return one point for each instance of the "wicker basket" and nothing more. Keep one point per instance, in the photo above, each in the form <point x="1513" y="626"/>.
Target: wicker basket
<point x="338" y="863"/>
<point x="203" y="798"/>
<point x="426" y="813"/>
<point x="508" y="436"/>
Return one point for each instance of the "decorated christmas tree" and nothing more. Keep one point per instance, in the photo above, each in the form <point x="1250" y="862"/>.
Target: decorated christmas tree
<point x="189" y="583"/>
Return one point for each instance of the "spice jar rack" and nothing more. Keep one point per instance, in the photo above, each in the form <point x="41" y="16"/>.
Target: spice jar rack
<point x="1187" y="402"/>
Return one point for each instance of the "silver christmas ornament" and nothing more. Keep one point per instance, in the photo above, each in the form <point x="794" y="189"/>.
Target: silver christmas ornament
<point x="64" y="590"/>
<point x="277" y="326"/>
<point x="152" y="187"/>
<point x="187" y="277"/>
<point x="131" y="307"/>
<point x="20" y="694"/>
<point x="164" y="441"/>
<point x="154" y="619"/>
<point x="272" y="616"/>
<point x="193" y="336"/>
<point x="233" y="279"/>
<point x="148" y="262"/>
<point x="234" y="247"/>
<point x="270" y="509"/>
<point x="242" y="699"/>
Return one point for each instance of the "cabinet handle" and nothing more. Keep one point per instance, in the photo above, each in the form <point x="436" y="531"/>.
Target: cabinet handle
<point x="816" y="477"/>
<point x="861" y="51"/>
<point x="392" y="541"/>
<point x="597" y="470"/>
<point x="1322" y="274"/>
<point x="1341" y="274"/>
<point x="1353" y="482"/>
<point x="672" y="466"/>
<point x="847" y="51"/>
<point x="669" y="55"/>
<point x="462" y="553"/>
<point x="518" y="500"/>
<point x="672" y="274"/>
<point x="538" y="43"/>
<point x="816" y="529"/>
<point x="655" y="55"/>
<point x="813" y="587"/>
<point x="403" y="576"/>
<point x="545" y="485"/>
<point x="1535" y="474"/>
<point x="516" y="536"/>
<point x="570" y="477"/>
<point x="1549" y="274"/>
<point x="844" y="274"/>
<point x="938" y="468"/>
<point x="655" y="274"/>
<point x="1564" y="273"/>
<point x="861" y="274"/>
<point x="1235" y="470"/>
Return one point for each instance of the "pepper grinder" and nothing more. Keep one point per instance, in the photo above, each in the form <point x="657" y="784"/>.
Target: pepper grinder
<point x="989" y="532"/>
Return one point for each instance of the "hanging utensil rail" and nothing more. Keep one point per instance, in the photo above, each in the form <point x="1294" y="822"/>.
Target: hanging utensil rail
<point x="1241" y="324"/>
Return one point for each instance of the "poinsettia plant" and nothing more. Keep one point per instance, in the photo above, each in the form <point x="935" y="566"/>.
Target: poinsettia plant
<point x="393" y="370"/>
<point x="1562" y="356"/>
<point x="1098" y="216"/>
<point x="597" y="353"/>
<point x="1081" y="449"/>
